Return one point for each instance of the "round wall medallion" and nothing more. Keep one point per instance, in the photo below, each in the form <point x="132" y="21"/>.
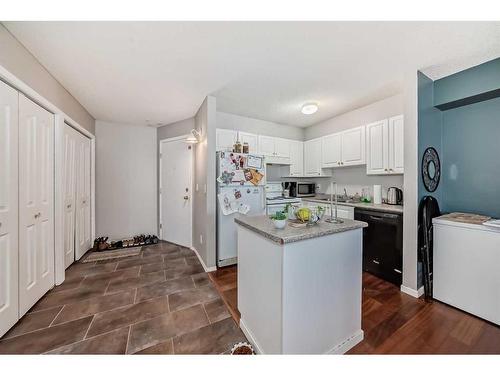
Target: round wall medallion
<point x="431" y="169"/>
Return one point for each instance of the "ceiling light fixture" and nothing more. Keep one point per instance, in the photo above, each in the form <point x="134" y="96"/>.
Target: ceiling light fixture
<point x="309" y="108"/>
<point x="193" y="137"/>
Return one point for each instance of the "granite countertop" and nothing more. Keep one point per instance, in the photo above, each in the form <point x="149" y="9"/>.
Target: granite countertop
<point x="367" y="206"/>
<point x="265" y="227"/>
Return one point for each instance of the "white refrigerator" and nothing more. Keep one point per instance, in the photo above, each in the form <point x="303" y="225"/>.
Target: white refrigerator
<point x="240" y="191"/>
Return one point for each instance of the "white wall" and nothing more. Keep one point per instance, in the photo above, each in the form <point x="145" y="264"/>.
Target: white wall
<point x="204" y="197"/>
<point x="126" y="180"/>
<point x="261" y="127"/>
<point x="410" y="215"/>
<point x="19" y="61"/>
<point x="176" y="129"/>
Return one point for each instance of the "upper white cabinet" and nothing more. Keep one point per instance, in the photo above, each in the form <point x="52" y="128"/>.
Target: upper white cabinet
<point x="332" y="150"/>
<point x="353" y="146"/>
<point x="396" y="144"/>
<point x="296" y="158"/>
<point x="272" y="146"/>
<point x="312" y="158"/>
<point x="266" y="145"/>
<point x="251" y="139"/>
<point x="225" y="139"/>
<point x="384" y="146"/>
<point x="282" y="147"/>
<point x="344" y="149"/>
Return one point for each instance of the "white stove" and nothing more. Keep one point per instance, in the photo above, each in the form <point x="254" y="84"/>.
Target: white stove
<point x="275" y="201"/>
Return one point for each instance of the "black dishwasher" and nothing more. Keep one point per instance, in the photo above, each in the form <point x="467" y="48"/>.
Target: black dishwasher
<point x="382" y="244"/>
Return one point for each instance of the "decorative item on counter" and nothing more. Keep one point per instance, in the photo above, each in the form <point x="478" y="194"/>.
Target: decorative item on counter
<point x="290" y="211"/>
<point x="333" y="219"/>
<point x="237" y="147"/>
<point x="279" y="219"/>
<point x="377" y="194"/>
<point x="365" y="195"/>
<point x="245" y="148"/>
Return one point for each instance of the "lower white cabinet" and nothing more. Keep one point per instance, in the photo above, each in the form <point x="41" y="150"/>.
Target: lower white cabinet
<point x="9" y="251"/>
<point x="343" y="212"/>
<point x="36" y="203"/>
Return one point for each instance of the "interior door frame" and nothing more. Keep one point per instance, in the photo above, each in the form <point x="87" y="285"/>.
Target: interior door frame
<point x="160" y="196"/>
<point x="60" y="119"/>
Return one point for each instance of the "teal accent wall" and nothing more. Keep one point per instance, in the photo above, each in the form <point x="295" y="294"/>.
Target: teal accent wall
<point x="468" y="86"/>
<point x="467" y="139"/>
<point x="471" y="159"/>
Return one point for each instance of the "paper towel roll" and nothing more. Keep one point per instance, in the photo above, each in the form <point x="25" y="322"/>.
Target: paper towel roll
<point x="377" y="194"/>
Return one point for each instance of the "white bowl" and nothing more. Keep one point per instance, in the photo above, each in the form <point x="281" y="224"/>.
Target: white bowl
<point x="279" y="224"/>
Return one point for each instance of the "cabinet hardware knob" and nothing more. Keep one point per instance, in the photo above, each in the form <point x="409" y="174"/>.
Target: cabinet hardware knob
<point x="68" y="206"/>
<point x="385" y="169"/>
<point x="186" y="197"/>
<point x="38" y="215"/>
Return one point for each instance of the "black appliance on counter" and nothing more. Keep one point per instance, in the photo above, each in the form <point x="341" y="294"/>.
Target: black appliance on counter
<point x="382" y="244"/>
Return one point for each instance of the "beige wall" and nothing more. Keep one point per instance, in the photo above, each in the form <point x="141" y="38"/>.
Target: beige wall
<point x="126" y="188"/>
<point x="204" y="197"/>
<point x="20" y="62"/>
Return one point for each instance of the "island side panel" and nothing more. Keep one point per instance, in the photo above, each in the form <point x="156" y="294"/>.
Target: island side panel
<point x="259" y="290"/>
<point x="322" y="287"/>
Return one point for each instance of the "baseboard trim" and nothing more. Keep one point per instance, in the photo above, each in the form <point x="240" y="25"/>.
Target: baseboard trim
<point x="207" y="269"/>
<point x="341" y="348"/>
<point x="348" y="344"/>
<point x="249" y="336"/>
<point x="412" y="292"/>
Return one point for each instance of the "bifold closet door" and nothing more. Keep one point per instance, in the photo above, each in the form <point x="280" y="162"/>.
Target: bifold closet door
<point x="9" y="279"/>
<point x="36" y="202"/>
<point x="83" y="234"/>
<point x="70" y="138"/>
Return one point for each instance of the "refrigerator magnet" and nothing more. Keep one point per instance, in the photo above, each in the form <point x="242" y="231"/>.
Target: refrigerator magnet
<point x="254" y="162"/>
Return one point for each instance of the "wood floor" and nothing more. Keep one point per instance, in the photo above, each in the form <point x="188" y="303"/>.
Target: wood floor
<point x="395" y="323"/>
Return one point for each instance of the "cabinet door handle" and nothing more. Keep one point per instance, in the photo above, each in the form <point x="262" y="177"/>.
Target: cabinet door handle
<point x="68" y="206"/>
<point x="375" y="261"/>
<point x="398" y="271"/>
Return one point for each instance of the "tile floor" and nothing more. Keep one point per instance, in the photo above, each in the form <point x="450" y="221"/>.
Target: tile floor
<point x="158" y="302"/>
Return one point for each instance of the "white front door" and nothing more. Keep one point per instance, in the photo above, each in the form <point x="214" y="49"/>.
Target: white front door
<point x="69" y="182"/>
<point x="36" y="203"/>
<point x="82" y="231"/>
<point x="176" y="159"/>
<point x="9" y="281"/>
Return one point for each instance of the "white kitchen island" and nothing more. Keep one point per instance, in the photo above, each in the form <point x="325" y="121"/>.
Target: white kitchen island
<point x="299" y="289"/>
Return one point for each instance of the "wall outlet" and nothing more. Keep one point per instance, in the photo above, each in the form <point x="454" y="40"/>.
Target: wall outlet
<point x="201" y="239"/>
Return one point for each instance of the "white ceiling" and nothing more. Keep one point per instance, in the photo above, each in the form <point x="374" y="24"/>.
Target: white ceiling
<point x="132" y="72"/>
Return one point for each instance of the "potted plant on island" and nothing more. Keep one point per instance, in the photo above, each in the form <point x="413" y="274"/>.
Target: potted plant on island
<point x="279" y="219"/>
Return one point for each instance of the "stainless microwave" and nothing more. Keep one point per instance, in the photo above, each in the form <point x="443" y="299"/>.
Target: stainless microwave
<point x="301" y="189"/>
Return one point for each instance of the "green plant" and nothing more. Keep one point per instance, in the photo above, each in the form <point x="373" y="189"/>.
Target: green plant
<point x="288" y="206"/>
<point x="280" y="215"/>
